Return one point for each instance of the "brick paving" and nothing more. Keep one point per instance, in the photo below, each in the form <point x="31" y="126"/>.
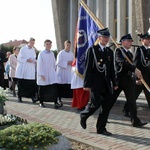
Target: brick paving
<point x="66" y="120"/>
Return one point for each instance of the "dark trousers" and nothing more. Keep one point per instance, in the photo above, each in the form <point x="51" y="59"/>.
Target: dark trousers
<point x="64" y="91"/>
<point x="138" y="90"/>
<point x="129" y="91"/>
<point x="98" y="100"/>
<point x="14" y="83"/>
<point x="48" y="93"/>
<point x="1" y="78"/>
<point x="27" y="88"/>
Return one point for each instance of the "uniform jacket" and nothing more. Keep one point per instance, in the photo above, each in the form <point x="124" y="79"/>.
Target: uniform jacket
<point x="95" y="78"/>
<point x="138" y="61"/>
<point x="123" y="67"/>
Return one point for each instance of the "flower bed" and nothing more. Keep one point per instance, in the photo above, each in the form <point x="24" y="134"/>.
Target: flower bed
<point x="3" y="98"/>
<point x="9" y="119"/>
<point x="3" y="95"/>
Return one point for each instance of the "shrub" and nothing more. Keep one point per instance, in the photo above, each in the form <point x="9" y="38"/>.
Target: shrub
<point x="29" y="136"/>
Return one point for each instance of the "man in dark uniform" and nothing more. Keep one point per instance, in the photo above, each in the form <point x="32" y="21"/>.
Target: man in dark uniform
<point x="2" y="70"/>
<point x="99" y="72"/>
<point x="126" y="80"/>
<point x="142" y="62"/>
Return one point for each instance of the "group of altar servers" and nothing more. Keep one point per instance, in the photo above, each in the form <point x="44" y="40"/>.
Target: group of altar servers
<point x="47" y="79"/>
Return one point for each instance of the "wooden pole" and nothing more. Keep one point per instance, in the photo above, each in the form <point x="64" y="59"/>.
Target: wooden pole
<point x="101" y="26"/>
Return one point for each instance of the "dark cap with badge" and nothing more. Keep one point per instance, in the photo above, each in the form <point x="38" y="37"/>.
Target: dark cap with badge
<point x="103" y="32"/>
<point x="144" y="36"/>
<point x="126" y="37"/>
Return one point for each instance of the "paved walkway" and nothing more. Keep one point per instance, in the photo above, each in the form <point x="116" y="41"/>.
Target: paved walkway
<point x="66" y="120"/>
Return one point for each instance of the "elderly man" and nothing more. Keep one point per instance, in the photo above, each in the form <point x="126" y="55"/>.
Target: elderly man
<point x="25" y="72"/>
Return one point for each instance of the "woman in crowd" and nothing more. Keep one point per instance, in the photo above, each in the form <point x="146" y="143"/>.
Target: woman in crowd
<point x="13" y="64"/>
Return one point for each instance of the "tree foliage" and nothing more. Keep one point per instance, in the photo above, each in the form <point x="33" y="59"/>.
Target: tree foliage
<point x="5" y="49"/>
<point x="55" y="53"/>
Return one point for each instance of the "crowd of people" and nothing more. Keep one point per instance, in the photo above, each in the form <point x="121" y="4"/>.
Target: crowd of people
<point x="46" y="79"/>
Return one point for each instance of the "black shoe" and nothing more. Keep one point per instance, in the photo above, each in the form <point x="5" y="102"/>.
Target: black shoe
<point x="14" y="94"/>
<point x="105" y="132"/>
<point x="83" y="122"/>
<point x="41" y="105"/>
<point x="33" y="100"/>
<point x="140" y="124"/>
<point x="20" y="100"/>
<point x="58" y="104"/>
<point x="126" y="114"/>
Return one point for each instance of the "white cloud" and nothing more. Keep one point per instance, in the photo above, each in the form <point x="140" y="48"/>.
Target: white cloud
<point x="22" y="19"/>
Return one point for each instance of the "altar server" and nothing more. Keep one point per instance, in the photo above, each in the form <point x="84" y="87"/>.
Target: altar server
<point x="46" y="75"/>
<point x="64" y="60"/>
<point x="25" y="71"/>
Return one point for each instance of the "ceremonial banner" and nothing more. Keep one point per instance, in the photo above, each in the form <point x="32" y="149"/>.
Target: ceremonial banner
<point x="86" y="36"/>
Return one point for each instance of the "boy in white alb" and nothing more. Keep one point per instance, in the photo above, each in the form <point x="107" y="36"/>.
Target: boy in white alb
<point x="46" y="75"/>
<point x="64" y="60"/>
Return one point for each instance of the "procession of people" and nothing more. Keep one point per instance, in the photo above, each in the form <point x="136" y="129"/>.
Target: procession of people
<point x="45" y="78"/>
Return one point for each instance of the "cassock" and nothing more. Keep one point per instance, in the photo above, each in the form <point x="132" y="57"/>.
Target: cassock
<point x="46" y="67"/>
<point x="64" y="73"/>
<point x="80" y="96"/>
<point x="25" y="72"/>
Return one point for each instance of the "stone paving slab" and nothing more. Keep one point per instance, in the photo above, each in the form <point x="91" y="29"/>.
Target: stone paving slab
<point x="66" y="120"/>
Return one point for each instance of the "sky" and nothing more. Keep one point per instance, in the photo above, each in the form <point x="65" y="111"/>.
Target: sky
<point x="22" y="19"/>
